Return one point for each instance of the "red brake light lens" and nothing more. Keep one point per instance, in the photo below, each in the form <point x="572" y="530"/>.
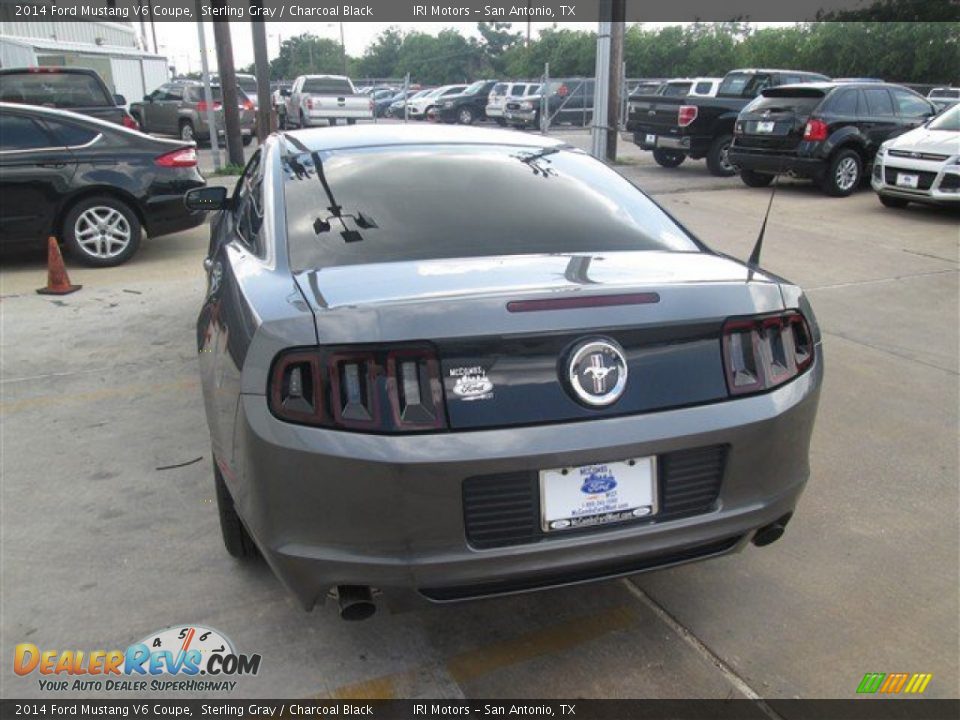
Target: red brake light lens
<point x="815" y="130"/>
<point x="765" y="352"/>
<point x="686" y="115"/>
<point x="248" y="105"/>
<point x="129" y="122"/>
<point x="181" y="157"/>
<point x="395" y="390"/>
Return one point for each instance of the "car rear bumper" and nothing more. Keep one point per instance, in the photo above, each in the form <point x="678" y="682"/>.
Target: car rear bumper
<point x="939" y="183"/>
<point x="330" y="508"/>
<point x="776" y="163"/>
<point x="653" y="138"/>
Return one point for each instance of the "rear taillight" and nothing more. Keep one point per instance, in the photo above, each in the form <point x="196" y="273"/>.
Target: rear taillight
<point x="247" y="105"/>
<point x="129" y="122"/>
<point x="181" y="157"/>
<point x="202" y="106"/>
<point x="309" y="103"/>
<point x="686" y="115"/>
<point x="815" y="130"/>
<point x="394" y="390"/>
<point x="765" y="352"/>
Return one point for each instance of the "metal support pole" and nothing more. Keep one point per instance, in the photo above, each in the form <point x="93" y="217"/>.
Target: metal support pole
<point x="545" y="100"/>
<point x="601" y="94"/>
<point x="615" y="74"/>
<point x="207" y="92"/>
<point x="258" y="29"/>
<point x="228" y="87"/>
<point x="406" y="92"/>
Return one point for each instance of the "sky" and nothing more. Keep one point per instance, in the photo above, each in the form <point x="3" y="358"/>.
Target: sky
<point x="180" y="43"/>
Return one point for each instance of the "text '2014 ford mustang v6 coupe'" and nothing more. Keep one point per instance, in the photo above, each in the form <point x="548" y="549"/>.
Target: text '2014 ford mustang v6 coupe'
<point x="400" y="397"/>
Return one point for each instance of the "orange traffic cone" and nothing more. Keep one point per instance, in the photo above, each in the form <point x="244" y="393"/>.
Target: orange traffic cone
<point x="58" y="282"/>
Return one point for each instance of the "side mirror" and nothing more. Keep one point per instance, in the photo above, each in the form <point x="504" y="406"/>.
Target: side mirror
<point x="206" y="199"/>
<point x="284" y="92"/>
<point x="119" y="99"/>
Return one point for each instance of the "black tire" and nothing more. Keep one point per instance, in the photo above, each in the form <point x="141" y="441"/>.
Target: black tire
<point x="755" y="179"/>
<point x="100" y="205"/>
<point x="236" y="539"/>
<point x="332" y="122"/>
<point x="501" y="122"/>
<point x="717" y="161"/>
<point x="247" y="139"/>
<point x="465" y="116"/>
<point x="304" y="123"/>
<point x="844" y="174"/>
<point x="187" y="133"/>
<point x="668" y="158"/>
<point x="351" y="121"/>
<point x="892" y="202"/>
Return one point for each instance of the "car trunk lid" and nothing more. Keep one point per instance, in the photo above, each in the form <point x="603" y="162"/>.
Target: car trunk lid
<point x="776" y="120"/>
<point x="504" y="327"/>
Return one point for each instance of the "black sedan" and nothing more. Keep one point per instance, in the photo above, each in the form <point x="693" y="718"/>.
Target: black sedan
<point x="94" y="185"/>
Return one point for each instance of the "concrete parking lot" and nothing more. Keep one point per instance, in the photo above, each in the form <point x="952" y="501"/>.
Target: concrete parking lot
<point x="101" y="546"/>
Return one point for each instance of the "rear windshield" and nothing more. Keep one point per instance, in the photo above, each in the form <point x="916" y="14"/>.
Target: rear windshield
<point x="249" y="85"/>
<point x="62" y="90"/>
<point x="676" y="89"/>
<point x="196" y="94"/>
<point x="561" y="202"/>
<point x="743" y="85"/>
<point x="800" y="103"/>
<point x="945" y="93"/>
<point x="327" y="86"/>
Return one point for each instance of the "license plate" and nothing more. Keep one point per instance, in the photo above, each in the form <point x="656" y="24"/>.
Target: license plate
<point x="907" y="181"/>
<point x="766" y="126"/>
<point x="651" y="140"/>
<point x="598" y="494"/>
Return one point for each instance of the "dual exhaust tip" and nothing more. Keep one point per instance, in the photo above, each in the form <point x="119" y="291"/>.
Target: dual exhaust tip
<point x="355" y="602"/>
<point x="769" y="534"/>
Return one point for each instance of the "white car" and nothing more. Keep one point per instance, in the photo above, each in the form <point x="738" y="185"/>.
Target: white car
<point x="922" y="165"/>
<point x="497" y="100"/>
<point x="417" y="108"/>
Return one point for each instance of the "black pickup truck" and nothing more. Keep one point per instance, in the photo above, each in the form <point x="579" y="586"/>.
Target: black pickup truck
<point x="675" y="128"/>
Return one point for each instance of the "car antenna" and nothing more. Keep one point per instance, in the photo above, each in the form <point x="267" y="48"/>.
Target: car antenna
<point x="753" y="263"/>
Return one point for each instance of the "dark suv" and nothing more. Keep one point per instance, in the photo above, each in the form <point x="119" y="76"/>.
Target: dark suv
<point x="468" y="106"/>
<point x="827" y="132"/>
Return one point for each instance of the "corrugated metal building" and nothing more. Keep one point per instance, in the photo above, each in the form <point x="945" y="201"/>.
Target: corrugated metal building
<point x="110" y="48"/>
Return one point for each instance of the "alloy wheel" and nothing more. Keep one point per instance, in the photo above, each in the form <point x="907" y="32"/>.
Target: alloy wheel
<point x="847" y="174"/>
<point x="102" y="232"/>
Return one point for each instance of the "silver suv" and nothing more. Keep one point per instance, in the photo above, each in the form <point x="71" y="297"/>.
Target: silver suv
<point x="179" y="108"/>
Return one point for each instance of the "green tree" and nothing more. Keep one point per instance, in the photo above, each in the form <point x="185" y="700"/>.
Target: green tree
<point x="381" y="58"/>
<point x="306" y="54"/>
<point x="498" y="39"/>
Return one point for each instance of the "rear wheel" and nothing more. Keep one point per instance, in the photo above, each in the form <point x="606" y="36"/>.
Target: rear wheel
<point x="304" y="123"/>
<point x="235" y="536"/>
<point x="893" y="202"/>
<point x="333" y="122"/>
<point x="187" y="133"/>
<point x="501" y="122"/>
<point x="755" y="179"/>
<point x="465" y="116"/>
<point x="668" y="158"/>
<point x="247" y="139"/>
<point x="351" y="121"/>
<point x="102" y="231"/>
<point x="718" y="157"/>
<point x="843" y="174"/>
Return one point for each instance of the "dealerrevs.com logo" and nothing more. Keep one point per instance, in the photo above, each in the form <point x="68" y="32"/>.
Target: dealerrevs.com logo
<point x="178" y="658"/>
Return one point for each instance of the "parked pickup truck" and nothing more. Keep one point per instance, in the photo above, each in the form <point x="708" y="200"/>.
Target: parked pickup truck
<point x="676" y="128"/>
<point x="325" y="97"/>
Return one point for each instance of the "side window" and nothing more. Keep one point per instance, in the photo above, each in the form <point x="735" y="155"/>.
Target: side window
<point x="23" y="133"/>
<point x="703" y="88"/>
<point x="175" y="92"/>
<point x="69" y="134"/>
<point x="910" y="105"/>
<point x="249" y="205"/>
<point x="879" y="103"/>
<point x="844" y="103"/>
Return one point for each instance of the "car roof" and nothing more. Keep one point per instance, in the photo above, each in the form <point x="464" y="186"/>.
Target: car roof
<point x="327" y="77"/>
<point x="832" y="85"/>
<point x="383" y="135"/>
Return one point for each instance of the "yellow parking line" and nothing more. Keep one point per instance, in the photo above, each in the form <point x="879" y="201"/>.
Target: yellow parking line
<point x="379" y="688"/>
<point x="95" y="395"/>
<point x="476" y="663"/>
<point x="472" y="664"/>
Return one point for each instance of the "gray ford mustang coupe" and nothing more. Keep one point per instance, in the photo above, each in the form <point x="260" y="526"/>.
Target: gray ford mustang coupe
<point x="469" y="362"/>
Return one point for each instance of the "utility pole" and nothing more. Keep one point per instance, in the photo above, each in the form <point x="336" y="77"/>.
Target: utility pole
<point x="228" y="86"/>
<point x="343" y="50"/>
<point x="262" y="66"/>
<point x="207" y="92"/>
<point x="615" y="70"/>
